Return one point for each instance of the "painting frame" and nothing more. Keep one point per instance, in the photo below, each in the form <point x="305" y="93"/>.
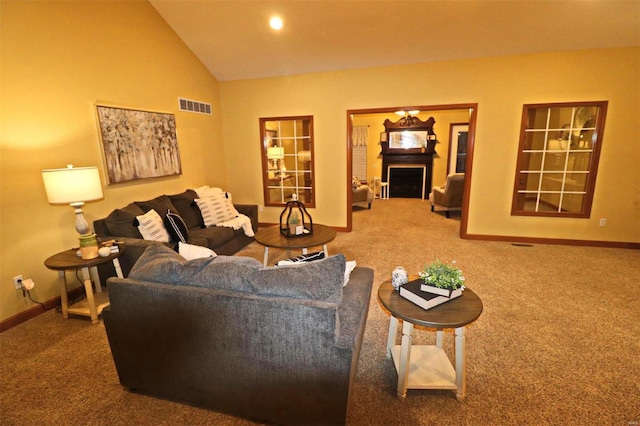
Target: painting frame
<point x="137" y="144"/>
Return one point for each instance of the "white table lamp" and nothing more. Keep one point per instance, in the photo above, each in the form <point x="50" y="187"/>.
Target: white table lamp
<point x="275" y="153"/>
<point x="73" y="186"/>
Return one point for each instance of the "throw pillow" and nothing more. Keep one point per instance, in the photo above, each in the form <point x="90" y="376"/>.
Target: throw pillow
<point x="187" y="208"/>
<point x="210" y="192"/>
<point x="160" y="204"/>
<point x="207" y="191"/>
<point x="320" y="280"/>
<point x="355" y="182"/>
<point x="176" y="227"/>
<point x="161" y="264"/>
<point x="216" y="209"/>
<point x="151" y="227"/>
<point x="350" y="265"/>
<point x="120" y="221"/>
<point x="309" y="257"/>
<point x="191" y="251"/>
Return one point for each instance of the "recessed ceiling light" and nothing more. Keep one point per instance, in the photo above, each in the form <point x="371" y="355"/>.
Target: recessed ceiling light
<point x="276" y="23"/>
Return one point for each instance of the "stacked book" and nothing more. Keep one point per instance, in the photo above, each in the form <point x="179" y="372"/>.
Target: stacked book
<point x="427" y="296"/>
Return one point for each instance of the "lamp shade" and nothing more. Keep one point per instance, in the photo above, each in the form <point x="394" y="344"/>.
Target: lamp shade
<point x="275" y="153"/>
<point x="73" y="184"/>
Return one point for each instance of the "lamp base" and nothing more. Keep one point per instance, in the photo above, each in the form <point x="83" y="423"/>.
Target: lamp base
<point x="81" y="223"/>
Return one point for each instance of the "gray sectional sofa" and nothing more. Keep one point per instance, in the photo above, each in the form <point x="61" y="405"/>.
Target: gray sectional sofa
<point x="277" y="345"/>
<point x="119" y="225"/>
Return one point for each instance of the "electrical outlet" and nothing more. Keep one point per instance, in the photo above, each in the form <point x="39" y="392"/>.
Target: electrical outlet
<point x="17" y="281"/>
<point x="603" y="221"/>
<point x="260" y="209"/>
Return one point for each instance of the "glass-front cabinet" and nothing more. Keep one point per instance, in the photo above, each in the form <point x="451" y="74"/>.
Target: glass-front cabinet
<point x="287" y="160"/>
<point x="558" y="159"/>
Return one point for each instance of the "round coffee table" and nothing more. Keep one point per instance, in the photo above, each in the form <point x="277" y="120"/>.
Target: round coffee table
<point x="272" y="237"/>
<point x="427" y="366"/>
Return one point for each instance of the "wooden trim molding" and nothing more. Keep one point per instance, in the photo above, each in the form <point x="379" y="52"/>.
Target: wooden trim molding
<point x="34" y="311"/>
<point x="554" y="241"/>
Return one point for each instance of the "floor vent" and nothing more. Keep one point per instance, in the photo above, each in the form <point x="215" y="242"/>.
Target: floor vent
<point x="194" y="106"/>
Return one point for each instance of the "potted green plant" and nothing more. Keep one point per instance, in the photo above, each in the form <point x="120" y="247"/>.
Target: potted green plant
<point x="441" y="278"/>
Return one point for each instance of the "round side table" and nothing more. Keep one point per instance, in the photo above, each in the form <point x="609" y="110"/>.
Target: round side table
<point x="94" y="303"/>
<point x="271" y="237"/>
<point x="427" y="366"/>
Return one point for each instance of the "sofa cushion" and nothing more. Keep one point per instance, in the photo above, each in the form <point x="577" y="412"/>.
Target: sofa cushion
<point x="151" y="226"/>
<point x="319" y="280"/>
<point x="120" y="221"/>
<point x="160" y="264"/>
<point x="213" y="237"/>
<point x="187" y="208"/>
<point x="176" y="227"/>
<point x="216" y="209"/>
<point x="161" y="204"/>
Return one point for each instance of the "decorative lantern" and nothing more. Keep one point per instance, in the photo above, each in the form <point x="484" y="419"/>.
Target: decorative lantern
<point x="294" y="219"/>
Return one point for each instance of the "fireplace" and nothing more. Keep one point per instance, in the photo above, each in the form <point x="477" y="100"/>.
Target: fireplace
<point x="407" y="181"/>
<point x="407" y="167"/>
<point x="408" y="175"/>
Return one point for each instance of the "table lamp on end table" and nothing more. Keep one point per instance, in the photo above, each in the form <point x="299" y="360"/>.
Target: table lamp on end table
<point x="74" y="186"/>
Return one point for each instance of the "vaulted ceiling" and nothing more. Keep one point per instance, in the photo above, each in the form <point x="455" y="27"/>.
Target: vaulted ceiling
<point x="234" y="41"/>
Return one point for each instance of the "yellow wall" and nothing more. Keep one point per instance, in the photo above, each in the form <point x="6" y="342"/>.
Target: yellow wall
<point x="500" y="86"/>
<point x="58" y="60"/>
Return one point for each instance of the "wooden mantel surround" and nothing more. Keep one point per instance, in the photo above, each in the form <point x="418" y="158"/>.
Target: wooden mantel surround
<point x="418" y="156"/>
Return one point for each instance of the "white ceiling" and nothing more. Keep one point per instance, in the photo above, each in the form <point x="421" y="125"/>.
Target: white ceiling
<point x="234" y="41"/>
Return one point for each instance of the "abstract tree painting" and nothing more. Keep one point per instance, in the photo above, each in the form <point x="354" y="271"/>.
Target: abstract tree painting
<point x="138" y="144"/>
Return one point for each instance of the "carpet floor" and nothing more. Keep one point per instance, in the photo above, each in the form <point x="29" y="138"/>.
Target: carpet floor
<point x="558" y="342"/>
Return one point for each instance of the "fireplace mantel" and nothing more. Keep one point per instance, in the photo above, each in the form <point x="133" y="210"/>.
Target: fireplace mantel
<point x="420" y="157"/>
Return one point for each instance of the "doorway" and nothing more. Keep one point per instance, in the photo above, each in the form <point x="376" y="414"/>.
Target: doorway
<point x="442" y="155"/>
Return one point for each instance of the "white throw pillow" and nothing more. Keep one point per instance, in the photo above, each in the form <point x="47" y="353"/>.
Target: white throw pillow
<point x="152" y="227"/>
<point x="201" y="189"/>
<point x="350" y="266"/>
<point x="191" y="251"/>
<point x="216" y="209"/>
<point x="210" y="192"/>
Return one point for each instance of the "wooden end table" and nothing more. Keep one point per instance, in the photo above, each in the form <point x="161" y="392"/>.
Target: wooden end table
<point x="272" y="237"/>
<point x="427" y="366"/>
<point x="93" y="305"/>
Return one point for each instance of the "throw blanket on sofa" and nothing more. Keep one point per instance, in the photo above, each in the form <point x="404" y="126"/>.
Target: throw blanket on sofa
<point x="241" y="221"/>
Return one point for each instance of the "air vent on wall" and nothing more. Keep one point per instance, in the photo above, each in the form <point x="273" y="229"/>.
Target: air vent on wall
<point x="194" y="106"/>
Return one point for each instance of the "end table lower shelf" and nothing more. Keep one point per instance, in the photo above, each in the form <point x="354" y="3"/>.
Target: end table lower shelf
<point x="101" y="301"/>
<point x="429" y="368"/>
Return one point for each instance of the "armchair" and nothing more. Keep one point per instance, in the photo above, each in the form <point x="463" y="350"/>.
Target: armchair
<point x="361" y="193"/>
<point x="449" y="195"/>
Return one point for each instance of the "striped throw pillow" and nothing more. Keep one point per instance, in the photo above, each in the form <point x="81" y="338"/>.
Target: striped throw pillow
<point x="216" y="209"/>
<point x="151" y="227"/>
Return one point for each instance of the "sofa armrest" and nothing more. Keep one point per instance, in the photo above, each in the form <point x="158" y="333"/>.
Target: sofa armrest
<point x="250" y="210"/>
<point x="353" y="310"/>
